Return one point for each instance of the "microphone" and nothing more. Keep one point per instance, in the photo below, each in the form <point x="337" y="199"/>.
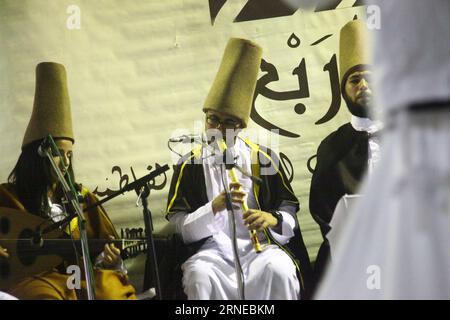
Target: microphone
<point x="45" y="145"/>
<point x="184" y="139"/>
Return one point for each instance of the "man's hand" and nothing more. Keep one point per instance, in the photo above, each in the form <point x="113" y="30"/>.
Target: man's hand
<point x="111" y="255"/>
<point x="3" y="252"/>
<point x="259" y="220"/>
<point x="237" y="196"/>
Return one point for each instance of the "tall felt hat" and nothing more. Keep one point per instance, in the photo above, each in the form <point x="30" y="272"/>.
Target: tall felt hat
<point x="234" y="86"/>
<point x="51" y="109"/>
<point x="354" y="48"/>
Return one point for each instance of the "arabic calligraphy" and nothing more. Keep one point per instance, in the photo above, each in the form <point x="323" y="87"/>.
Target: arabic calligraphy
<point x="271" y="75"/>
<point x="124" y="180"/>
<point x="266" y="9"/>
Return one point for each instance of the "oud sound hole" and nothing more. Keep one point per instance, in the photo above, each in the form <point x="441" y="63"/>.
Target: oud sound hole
<point x="4" y="225"/>
<point x="4" y="269"/>
<point x="26" y="251"/>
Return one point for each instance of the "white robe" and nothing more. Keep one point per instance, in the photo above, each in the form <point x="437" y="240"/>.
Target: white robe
<point x="395" y="243"/>
<point x="369" y="126"/>
<point x="210" y="273"/>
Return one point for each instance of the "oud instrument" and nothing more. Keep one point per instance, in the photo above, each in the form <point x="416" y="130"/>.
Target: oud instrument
<point x="30" y="255"/>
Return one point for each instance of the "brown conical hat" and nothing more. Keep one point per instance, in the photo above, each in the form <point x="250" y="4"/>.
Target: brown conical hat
<point x="51" y="109"/>
<point x="234" y="86"/>
<point x="354" y="48"/>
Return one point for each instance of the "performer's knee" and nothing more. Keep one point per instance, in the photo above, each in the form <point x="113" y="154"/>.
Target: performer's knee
<point x="197" y="277"/>
<point x="281" y="269"/>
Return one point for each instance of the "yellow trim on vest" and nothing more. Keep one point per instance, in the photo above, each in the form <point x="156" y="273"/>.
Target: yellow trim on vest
<point x="255" y="167"/>
<point x="266" y="233"/>
<point x="276" y="167"/>
<point x="293" y="259"/>
<point x="256" y="173"/>
<point x="255" y="164"/>
<point x="179" y="181"/>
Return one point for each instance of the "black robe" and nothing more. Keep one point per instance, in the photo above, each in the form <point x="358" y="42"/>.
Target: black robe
<point x="342" y="159"/>
<point x="188" y="193"/>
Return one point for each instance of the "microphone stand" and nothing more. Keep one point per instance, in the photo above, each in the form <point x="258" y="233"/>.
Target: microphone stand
<point x="141" y="187"/>
<point x="230" y="167"/>
<point x="232" y="225"/>
<point x="136" y="185"/>
<point x="151" y="260"/>
<point x="72" y="198"/>
<point x="227" y="158"/>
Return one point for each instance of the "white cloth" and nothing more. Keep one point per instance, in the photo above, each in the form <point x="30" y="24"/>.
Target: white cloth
<point x="202" y="223"/>
<point x="340" y="215"/>
<point x="269" y="275"/>
<point x="371" y="127"/>
<point x="412" y="52"/>
<point x="395" y="243"/>
<point x="57" y="212"/>
<point x="5" y="296"/>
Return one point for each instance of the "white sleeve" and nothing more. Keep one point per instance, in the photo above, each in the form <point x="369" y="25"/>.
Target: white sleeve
<point x="200" y="224"/>
<point x="287" y="228"/>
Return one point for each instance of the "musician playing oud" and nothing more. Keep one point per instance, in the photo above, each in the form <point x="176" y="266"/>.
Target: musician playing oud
<point x="197" y="201"/>
<point x="34" y="188"/>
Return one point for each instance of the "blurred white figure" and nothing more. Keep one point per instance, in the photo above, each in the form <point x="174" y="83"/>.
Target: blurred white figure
<point x="395" y="243"/>
<point x="5" y="296"/>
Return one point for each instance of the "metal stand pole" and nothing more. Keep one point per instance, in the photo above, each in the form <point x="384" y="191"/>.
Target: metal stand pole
<point x="151" y="263"/>
<point x="72" y="198"/>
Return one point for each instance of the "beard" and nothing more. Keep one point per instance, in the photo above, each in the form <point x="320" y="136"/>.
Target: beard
<point x="361" y="107"/>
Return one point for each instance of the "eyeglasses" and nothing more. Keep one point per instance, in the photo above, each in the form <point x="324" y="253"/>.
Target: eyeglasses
<point x="215" y="122"/>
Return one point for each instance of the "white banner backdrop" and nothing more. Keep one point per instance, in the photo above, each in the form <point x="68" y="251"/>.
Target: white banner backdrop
<point x="139" y="71"/>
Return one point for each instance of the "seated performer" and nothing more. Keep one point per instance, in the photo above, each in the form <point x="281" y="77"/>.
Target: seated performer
<point x="34" y="188"/>
<point x="197" y="200"/>
<point x="345" y="155"/>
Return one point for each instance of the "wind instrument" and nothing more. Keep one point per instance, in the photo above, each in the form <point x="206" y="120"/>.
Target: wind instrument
<point x="253" y="235"/>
